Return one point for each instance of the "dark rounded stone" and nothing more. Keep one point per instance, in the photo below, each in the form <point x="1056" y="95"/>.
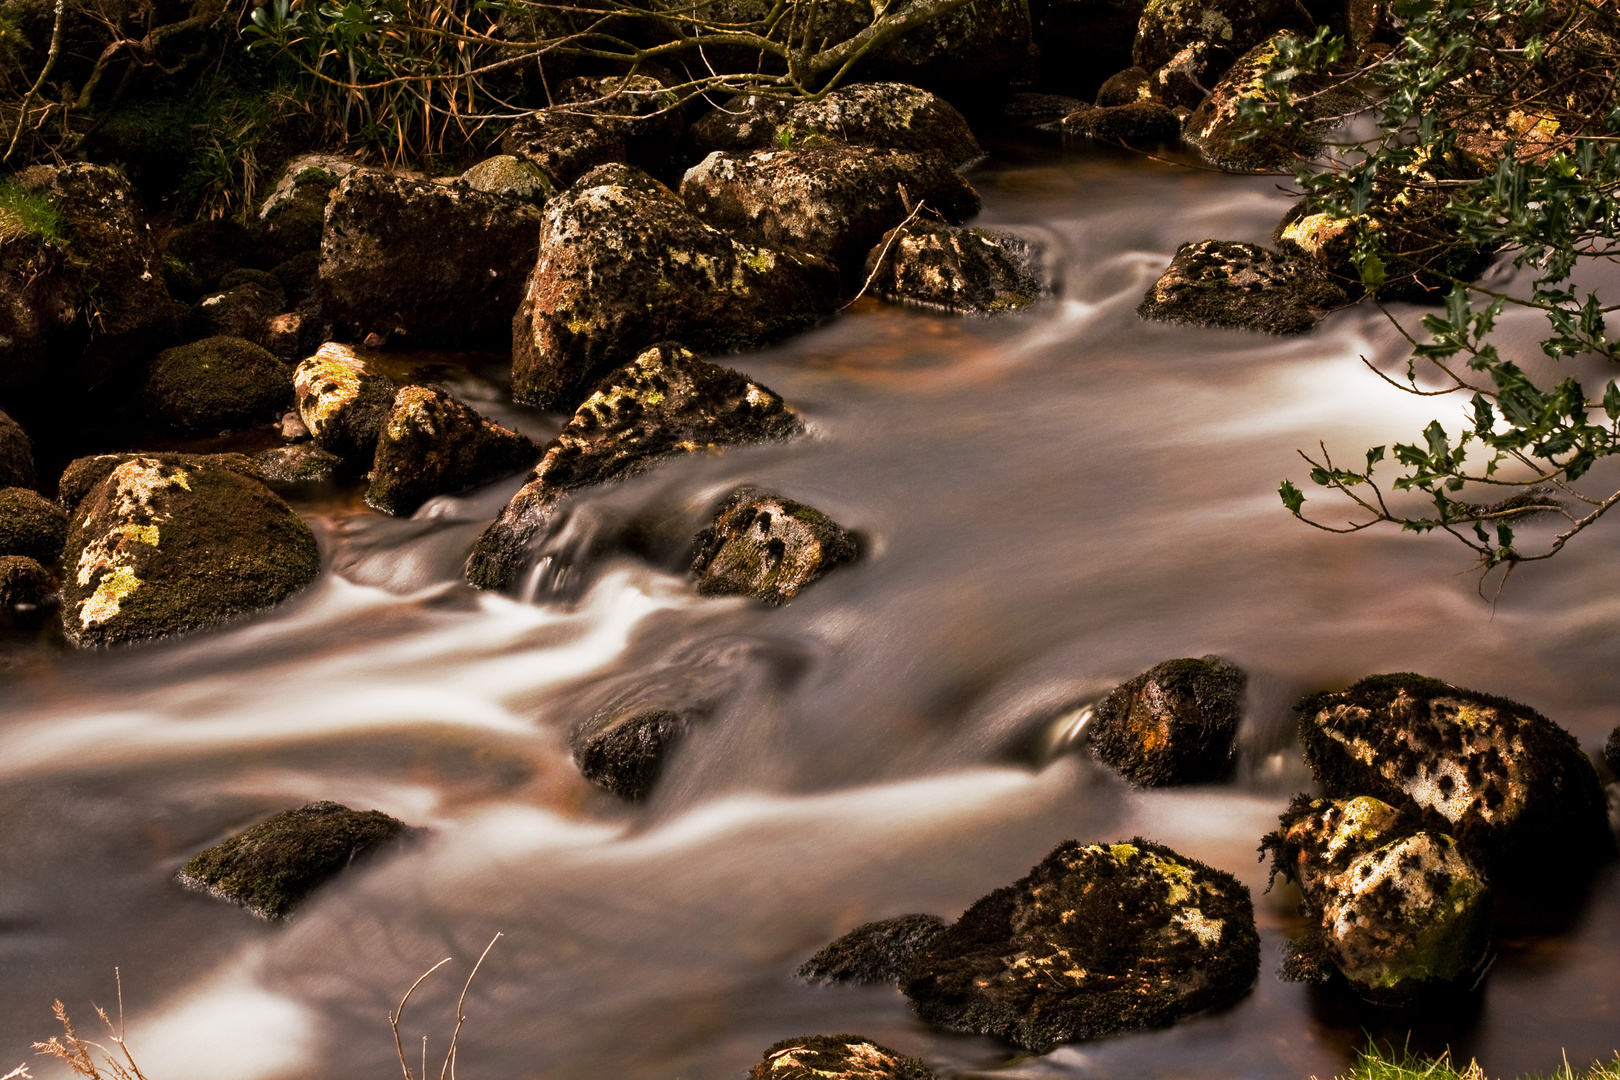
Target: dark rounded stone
<point x="1125" y="88"/>
<point x="217" y="383"/>
<point x="23" y="582"/>
<point x="1172" y="724"/>
<point x="1138" y="122"/>
<point x="874" y="952"/>
<point x="431" y="444"/>
<point x="16" y="455"/>
<point x="949" y="268"/>
<point x="837" y="1057"/>
<point x="626" y="755"/>
<point x="768" y="547"/>
<point x="31" y="525"/>
<point x="884" y="114"/>
<point x="1244" y="286"/>
<point x="301" y="463"/>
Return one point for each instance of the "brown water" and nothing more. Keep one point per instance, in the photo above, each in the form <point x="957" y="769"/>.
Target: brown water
<point x="1053" y="502"/>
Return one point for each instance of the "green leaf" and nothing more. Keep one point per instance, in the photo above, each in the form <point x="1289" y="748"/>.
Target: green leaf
<point x="1292" y="497"/>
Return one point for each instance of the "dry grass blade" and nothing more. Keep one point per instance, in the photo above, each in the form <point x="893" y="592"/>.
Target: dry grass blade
<point x="76" y="1051"/>
<point x="19" y="1073"/>
<point x="395" y="1017"/>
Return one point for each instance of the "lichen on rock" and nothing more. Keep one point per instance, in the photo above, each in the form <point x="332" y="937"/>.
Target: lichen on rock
<point x="1096" y="940"/>
<point x="837" y="1057"/>
<point x="1231" y="26"/>
<point x="300" y="463"/>
<point x="950" y="268"/>
<point x="342" y="401"/>
<point x="511" y="177"/>
<point x="1172" y="724"/>
<point x="874" y="952"/>
<point x="883" y="114"/>
<point x="1225" y="283"/>
<point x="431" y="444"/>
<point x="768" y="547"/>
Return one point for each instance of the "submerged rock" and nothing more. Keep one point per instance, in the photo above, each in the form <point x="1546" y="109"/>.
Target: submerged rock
<point x="432" y="444"/>
<point x="1231" y="26"/>
<point x="837" y="1057"/>
<point x="1515" y="789"/>
<point x="431" y="263"/>
<point x="624" y="265"/>
<point x="1172" y="724"/>
<point x="1225" y="283"/>
<point x="949" y="268"/>
<point x="626" y="754"/>
<point x="165" y="543"/>
<point x="16" y="454"/>
<point x="768" y="547"/>
<point x="1399" y="911"/>
<point x="874" y="952"/>
<point x="834" y="202"/>
<point x="1136" y="122"/>
<point x="274" y="866"/>
<point x="342" y="402"/>
<point x="31" y="525"/>
<point x="882" y="114"/>
<point x="23" y="582"/>
<point x="666" y="402"/>
<point x="301" y="463"/>
<point x="217" y="383"/>
<point x="1094" y="941"/>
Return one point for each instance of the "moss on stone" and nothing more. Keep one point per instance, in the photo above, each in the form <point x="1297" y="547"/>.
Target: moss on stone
<point x="1136" y="122"/>
<point x="219" y="382"/>
<point x="272" y="867"/>
<point x="874" y="952"/>
<point x="1172" y="724"/>
<point x="23" y="581"/>
<point x="342" y="401"/>
<point x="300" y="463"/>
<point x="884" y="114"/>
<point x="768" y="547"/>
<point x="31" y="525"/>
<point x="837" y="1057"/>
<point x="16" y="454"/>
<point x="626" y="754"/>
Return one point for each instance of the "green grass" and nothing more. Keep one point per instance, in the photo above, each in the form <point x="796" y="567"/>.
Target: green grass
<point x="1374" y="1063"/>
<point x="23" y="213"/>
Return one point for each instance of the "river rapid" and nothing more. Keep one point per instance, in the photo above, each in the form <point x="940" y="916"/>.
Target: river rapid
<point x="1051" y="502"/>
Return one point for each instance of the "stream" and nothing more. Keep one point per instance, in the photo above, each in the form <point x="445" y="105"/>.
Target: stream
<point x="1051" y="502"/>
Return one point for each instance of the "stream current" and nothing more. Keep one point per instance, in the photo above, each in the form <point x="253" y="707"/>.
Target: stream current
<point x="1051" y="502"/>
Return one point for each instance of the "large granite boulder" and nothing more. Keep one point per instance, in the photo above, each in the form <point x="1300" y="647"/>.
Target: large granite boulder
<point x="624" y="752"/>
<point x="165" y="543"/>
<point x="1172" y="724"/>
<point x="31" y="525"/>
<point x="16" y="454"/>
<point x="1514" y="789"/>
<point x="768" y="547"/>
<point x="1244" y="286"/>
<point x="623" y="265"/>
<point x="837" y="1057"/>
<point x="342" y="402"/>
<point x="217" y="383"/>
<point x="425" y="263"/>
<point x="274" y="866"/>
<point x="882" y="114"/>
<point x="1231" y="27"/>
<point x="874" y="952"/>
<point x="511" y="177"/>
<point x="431" y="444"/>
<point x="665" y="402"/>
<point x="834" y="203"/>
<point x="1399" y="911"/>
<point x="950" y="268"/>
<point x="1096" y="940"/>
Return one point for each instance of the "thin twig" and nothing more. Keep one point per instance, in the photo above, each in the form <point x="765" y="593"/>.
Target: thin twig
<point x="461" y="1017"/>
<point x="883" y="255"/>
<point x="395" y="1016"/>
<point x="44" y="73"/>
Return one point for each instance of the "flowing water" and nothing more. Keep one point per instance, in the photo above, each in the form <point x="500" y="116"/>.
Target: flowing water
<point x="1051" y="502"/>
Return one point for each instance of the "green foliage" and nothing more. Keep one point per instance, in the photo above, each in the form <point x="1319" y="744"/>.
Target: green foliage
<point x="24" y="213"/>
<point x="1373" y="1063"/>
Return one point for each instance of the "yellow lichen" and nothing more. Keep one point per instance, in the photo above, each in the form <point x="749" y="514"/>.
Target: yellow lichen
<point x="1200" y="926"/>
<point x="106" y="601"/>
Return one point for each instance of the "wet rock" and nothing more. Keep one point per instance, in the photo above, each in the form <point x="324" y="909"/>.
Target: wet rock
<point x="626" y="754"/>
<point x="430" y="263"/>
<point x="1514" y="788"/>
<point x="948" y="268"/>
<point x="299" y="275"/>
<point x="1231" y="26"/>
<point x="1184" y="81"/>
<point x="1172" y="724"/>
<point x="293" y="215"/>
<point x="1094" y="941"/>
<point x="883" y="114"/>
<point x="31" y="525"/>
<point x="1125" y="88"/>
<point x="745" y="122"/>
<point x="639" y="108"/>
<point x="874" y="952"/>
<point x="665" y="402"/>
<point x="837" y="1057"/>
<point x="834" y="203"/>
<point x="23" y="582"/>
<point x="565" y="144"/>
<point x="511" y="177"/>
<point x="342" y="402"/>
<point x="432" y="444"/>
<point x="1400" y="912"/>
<point x="166" y="543"/>
<point x="768" y="547"/>
<point x="301" y="463"/>
<point x="217" y="383"/>
<point x="16" y="454"/>
<point x="1224" y="283"/>
<point x="274" y="866"/>
<point x="623" y="265"/>
<point x="1138" y="122"/>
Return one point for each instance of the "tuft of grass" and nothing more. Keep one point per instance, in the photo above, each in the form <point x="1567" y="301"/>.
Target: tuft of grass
<point x="1374" y="1063"/>
<point x="79" y="1054"/>
<point x="24" y="213"/>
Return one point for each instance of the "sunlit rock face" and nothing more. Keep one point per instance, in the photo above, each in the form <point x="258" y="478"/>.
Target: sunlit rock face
<point x="837" y="1057"/>
<point x="342" y="401"/>
<point x="1243" y="286"/>
<point x="768" y="547"/>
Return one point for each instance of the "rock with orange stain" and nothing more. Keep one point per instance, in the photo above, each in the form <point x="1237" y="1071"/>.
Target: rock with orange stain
<point x="1172" y="724"/>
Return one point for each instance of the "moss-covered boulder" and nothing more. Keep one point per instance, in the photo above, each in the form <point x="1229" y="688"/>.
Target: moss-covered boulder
<point x="431" y="264"/>
<point x="639" y="108"/>
<point x="166" y="543"/>
<point x="625" y="752"/>
<point x="1399" y="911"/>
<point x="293" y="215"/>
<point x="1096" y="940"/>
<point x="300" y="463"/>
<point x="1125" y="88"/>
<point x="1514" y="789"/>
<point x="245" y="303"/>
<point x="274" y="866"/>
<point x="1172" y="724"/>
<point x="1244" y="286"/>
<point x="874" y="952"/>
<point x="342" y="401"/>
<point x="564" y="144"/>
<point x="744" y="122"/>
<point x="623" y="265"/>
<point x="665" y="402"/>
<point x="511" y="177"/>
<point x="31" y="525"/>
<point x="1138" y="123"/>
<point x="882" y="114"/>
<point x="1611" y="752"/>
<point x="834" y="202"/>
<point x="16" y="454"/>
<point x="1232" y="27"/>
<point x="23" y="582"/>
<point x="768" y="547"/>
<point x="431" y="444"/>
<point x="956" y="269"/>
<point x="217" y="383"/>
<point x="837" y="1057"/>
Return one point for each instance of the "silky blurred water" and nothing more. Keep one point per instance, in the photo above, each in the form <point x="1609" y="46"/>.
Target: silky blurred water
<point x="1051" y="502"/>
